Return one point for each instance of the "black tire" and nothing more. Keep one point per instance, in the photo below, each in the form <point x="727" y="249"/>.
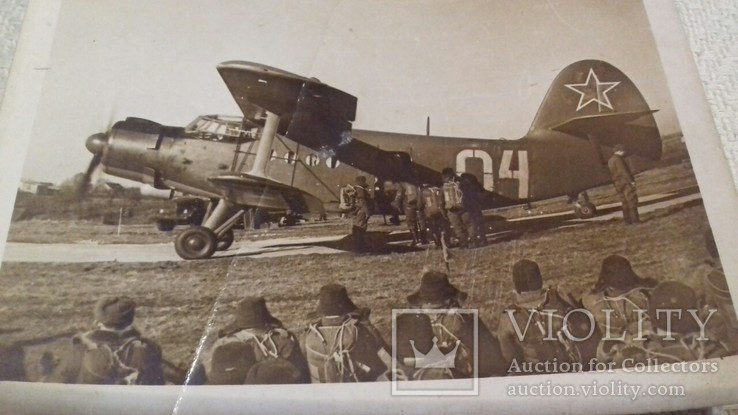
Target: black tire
<point x="585" y="210"/>
<point x="165" y="225"/>
<point x="197" y="242"/>
<point x="225" y="241"/>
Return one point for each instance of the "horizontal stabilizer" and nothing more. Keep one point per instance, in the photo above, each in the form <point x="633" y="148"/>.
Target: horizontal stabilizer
<point x="311" y="113"/>
<point x="247" y="190"/>
<point x="617" y="128"/>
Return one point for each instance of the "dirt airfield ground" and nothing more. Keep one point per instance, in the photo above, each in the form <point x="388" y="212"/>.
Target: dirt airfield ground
<point x="181" y="304"/>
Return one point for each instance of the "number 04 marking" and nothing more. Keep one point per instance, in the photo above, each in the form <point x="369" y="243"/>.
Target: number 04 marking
<point x="521" y="174"/>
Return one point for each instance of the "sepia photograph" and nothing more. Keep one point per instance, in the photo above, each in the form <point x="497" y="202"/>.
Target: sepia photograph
<point x="224" y="204"/>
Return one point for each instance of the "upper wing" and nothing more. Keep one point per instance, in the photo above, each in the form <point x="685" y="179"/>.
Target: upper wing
<point x="311" y="113"/>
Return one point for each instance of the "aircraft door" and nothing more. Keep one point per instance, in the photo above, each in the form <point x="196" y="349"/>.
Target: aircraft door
<point x="478" y="163"/>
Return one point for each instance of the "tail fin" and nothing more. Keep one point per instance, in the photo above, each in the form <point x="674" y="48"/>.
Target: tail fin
<point x="595" y="101"/>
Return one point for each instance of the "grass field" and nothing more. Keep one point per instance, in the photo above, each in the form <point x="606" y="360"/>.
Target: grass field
<point x="181" y="302"/>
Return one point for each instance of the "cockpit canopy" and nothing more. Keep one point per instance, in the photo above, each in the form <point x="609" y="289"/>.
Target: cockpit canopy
<point x="226" y="128"/>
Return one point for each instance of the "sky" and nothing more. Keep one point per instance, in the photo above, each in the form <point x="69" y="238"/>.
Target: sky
<point x="477" y="68"/>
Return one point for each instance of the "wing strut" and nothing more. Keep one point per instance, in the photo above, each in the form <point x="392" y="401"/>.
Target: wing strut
<point x="264" y="149"/>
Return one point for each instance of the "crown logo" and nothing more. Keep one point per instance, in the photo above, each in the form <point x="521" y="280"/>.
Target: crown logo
<point x="435" y="359"/>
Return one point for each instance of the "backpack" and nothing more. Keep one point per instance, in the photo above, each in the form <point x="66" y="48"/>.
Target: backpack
<point x="453" y="196"/>
<point x="432" y="201"/>
<point x="347" y="195"/>
<point x="269" y="357"/>
<point x="450" y="330"/>
<point x="623" y="306"/>
<point x="329" y="351"/>
<point x="537" y="344"/>
<point x="411" y="194"/>
<point x="650" y="348"/>
<point x="137" y="361"/>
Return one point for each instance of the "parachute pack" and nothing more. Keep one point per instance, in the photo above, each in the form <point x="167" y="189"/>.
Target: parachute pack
<point x="453" y="196"/>
<point x="432" y="201"/>
<point x="329" y="350"/>
<point x="137" y="361"/>
<point x="411" y="194"/>
<point x="538" y="341"/>
<point x="266" y="359"/>
<point x="347" y="197"/>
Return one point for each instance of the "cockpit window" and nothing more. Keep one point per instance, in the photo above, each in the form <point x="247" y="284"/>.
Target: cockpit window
<point x="221" y="128"/>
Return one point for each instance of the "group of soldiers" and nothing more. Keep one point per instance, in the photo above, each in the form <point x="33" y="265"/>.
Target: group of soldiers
<point x="431" y="212"/>
<point x="623" y="320"/>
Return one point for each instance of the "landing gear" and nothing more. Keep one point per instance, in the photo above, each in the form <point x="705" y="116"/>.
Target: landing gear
<point x="197" y="242"/>
<point x="225" y="241"/>
<point x="583" y="208"/>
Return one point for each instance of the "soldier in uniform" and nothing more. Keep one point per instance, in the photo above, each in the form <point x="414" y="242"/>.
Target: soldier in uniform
<point x="341" y="344"/>
<point x="414" y="342"/>
<point x="536" y="308"/>
<point x="456" y="210"/>
<point x="618" y="296"/>
<point x="362" y="211"/>
<point x="268" y="345"/>
<point x="112" y="353"/>
<point x="434" y="212"/>
<point x="713" y="294"/>
<point x="408" y="200"/>
<point x="676" y="335"/>
<point x="625" y="185"/>
<point x="451" y="327"/>
<point x="473" y="201"/>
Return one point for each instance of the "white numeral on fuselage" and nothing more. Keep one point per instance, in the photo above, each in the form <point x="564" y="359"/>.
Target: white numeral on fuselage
<point x="521" y="174"/>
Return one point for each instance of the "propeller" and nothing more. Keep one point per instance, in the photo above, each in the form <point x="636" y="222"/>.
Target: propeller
<point x="96" y="144"/>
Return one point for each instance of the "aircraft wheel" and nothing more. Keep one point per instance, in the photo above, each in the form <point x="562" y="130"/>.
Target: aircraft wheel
<point x="585" y="210"/>
<point x="197" y="242"/>
<point x="225" y="241"/>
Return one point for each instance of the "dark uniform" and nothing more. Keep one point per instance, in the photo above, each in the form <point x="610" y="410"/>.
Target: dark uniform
<point x="473" y="201"/>
<point x="408" y="201"/>
<point x="113" y="353"/>
<point x="341" y="344"/>
<point x="270" y="348"/>
<point x="624" y="182"/>
<point x="454" y="330"/>
<point x="362" y="211"/>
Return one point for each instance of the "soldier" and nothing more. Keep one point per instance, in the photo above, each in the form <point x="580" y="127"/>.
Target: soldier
<point x="341" y="344"/>
<point x="619" y="297"/>
<point x="713" y="294"/>
<point x="114" y="352"/>
<point x="414" y="336"/>
<point x="362" y="210"/>
<point x="542" y="312"/>
<point x="676" y="333"/>
<point x="673" y="335"/>
<point x="452" y="327"/>
<point x="625" y="184"/>
<point x="473" y="201"/>
<point x="408" y="201"/>
<point x="456" y="210"/>
<point x="268" y="344"/>
<point x="434" y="211"/>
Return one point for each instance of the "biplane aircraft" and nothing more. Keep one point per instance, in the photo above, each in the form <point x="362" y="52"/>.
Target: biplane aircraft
<point x="295" y="147"/>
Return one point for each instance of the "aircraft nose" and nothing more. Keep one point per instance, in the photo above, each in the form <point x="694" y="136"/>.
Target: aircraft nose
<point x="96" y="143"/>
